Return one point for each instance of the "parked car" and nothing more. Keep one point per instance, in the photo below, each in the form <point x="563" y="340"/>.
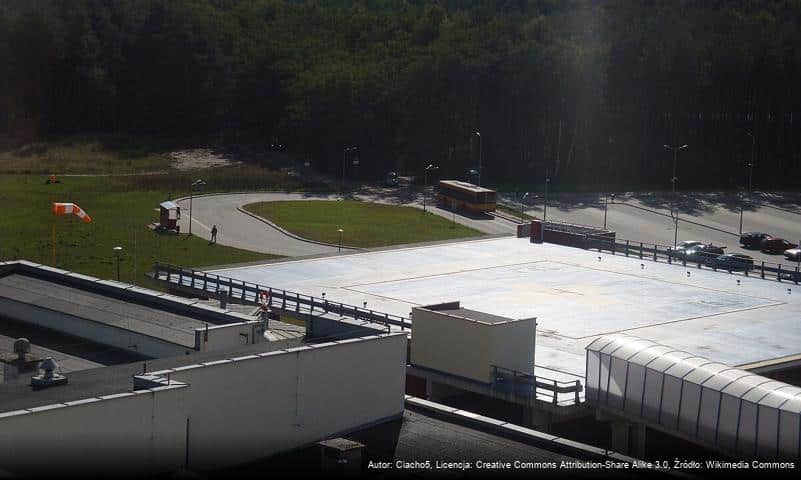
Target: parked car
<point x="775" y="245"/>
<point x="793" y="254"/>
<point x="792" y="276"/>
<point x="391" y="180"/>
<point x="752" y="239"/>
<point x="705" y="253"/>
<point x="735" y="262"/>
<point x="682" y="247"/>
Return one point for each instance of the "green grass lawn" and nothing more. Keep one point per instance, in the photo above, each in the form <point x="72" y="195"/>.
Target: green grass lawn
<point x="120" y="210"/>
<point x="364" y="224"/>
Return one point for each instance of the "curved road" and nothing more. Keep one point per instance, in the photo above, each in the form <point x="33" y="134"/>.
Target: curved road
<point x="712" y="218"/>
<point x="240" y="230"/>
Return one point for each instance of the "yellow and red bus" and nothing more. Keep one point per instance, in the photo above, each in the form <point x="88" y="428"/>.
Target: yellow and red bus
<point x="465" y="196"/>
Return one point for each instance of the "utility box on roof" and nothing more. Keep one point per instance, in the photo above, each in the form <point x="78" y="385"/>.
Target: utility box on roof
<point x="467" y="343"/>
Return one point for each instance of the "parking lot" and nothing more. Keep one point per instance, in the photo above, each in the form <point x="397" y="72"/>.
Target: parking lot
<point x="704" y="217"/>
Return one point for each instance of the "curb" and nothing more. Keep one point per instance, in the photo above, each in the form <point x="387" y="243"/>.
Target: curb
<point x="292" y="235"/>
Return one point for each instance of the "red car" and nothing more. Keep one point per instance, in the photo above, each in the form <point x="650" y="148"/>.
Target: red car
<point x="775" y="245"/>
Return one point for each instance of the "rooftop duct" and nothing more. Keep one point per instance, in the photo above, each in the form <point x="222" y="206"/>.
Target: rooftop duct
<point x="22" y="347"/>
<point x="48" y="376"/>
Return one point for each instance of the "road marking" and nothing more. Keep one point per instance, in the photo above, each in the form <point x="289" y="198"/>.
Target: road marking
<point x="195" y="220"/>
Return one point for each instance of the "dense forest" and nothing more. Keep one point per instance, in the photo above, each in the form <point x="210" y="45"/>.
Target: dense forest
<point x="587" y="92"/>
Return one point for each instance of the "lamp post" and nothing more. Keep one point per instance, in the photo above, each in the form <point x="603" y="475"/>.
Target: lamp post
<point x="608" y="196"/>
<point x="355" y="163"/>
<point x="545" y="209"/>
<point x="675" y="154"/>
<point x="751" y="163"/>
<point x="674" y="214"/>
<point x="675" y="230"/>
<point x="340" y="239"/>
<point x="479" y="157"/>
<point x="196" y="183"/>
<point x="741" y="213"/>
<point x="117" y="252"/>
<point x="522" y="200"/>
<point x="425" y="182"/>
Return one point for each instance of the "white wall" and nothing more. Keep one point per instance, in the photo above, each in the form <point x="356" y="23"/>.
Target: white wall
<point x="245" y="410"/>
<point x="468" y="348"/>
<point x="512" y="345"/>
<point x="227" y="336"/>
<point x="239" y="410"/>
<point x="135" y="433"/>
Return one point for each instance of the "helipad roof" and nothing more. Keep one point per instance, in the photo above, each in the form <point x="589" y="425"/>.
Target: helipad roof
<point x="576" y="295"/>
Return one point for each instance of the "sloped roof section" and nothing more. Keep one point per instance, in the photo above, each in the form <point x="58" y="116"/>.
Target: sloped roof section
<point x="699" y="370"/>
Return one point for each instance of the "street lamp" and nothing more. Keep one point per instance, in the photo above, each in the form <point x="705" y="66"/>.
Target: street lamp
<point x="117" y="252"/>
<point x="675" y="229"/>
<point x="674" y="214"/>
<point x="522" y="200"/>
<point x="675" y="153"/>
<point x="741" y="213"/>
<point x="355" y="163"/>
<point x="674" y="203"/>
<point x="425" y="183"/>
<point x="196" y="183"/>
<point x="479" y="157"/>
<point x="340" y="238"/>
<point x="606" y="202"/>
<point x="545" y="209"/>
<point x="751" y="163"/>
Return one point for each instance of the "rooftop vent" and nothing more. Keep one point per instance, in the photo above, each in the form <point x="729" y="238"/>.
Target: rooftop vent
<point x="48" y="376"/>
<point x="22" y="346"/>
<point x="343" y="456"/>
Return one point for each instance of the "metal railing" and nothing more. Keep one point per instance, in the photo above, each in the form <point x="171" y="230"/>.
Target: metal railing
<point x="219" y="286"/>
<point x="701" y="260"/>
<point x="526" y="385"/>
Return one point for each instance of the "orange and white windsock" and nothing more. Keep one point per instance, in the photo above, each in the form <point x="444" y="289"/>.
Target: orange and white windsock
<point x="70" y="209"/>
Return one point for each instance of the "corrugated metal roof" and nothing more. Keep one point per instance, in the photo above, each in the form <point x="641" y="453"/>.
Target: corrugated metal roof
<point x="701" y="371"/>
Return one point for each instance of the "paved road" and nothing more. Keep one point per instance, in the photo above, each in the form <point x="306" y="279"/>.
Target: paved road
<point x="237" y="229"/>
<point x="646" y="218"/>
<point x="641" y="217"/>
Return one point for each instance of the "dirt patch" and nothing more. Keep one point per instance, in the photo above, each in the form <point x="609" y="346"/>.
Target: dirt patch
<point x="197" y="158"/>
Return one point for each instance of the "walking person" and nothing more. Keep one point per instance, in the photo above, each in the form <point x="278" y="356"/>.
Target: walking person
<point x="213" y="235"/>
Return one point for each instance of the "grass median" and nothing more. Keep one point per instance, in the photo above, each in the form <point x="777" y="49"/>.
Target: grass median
<point x="121" y="212"/>
<point x="364" y="224"/>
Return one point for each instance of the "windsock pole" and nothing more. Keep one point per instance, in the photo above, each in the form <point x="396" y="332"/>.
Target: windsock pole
<point x="53" y="248"/>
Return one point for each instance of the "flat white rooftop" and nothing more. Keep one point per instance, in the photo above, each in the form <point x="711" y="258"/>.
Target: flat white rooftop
<point x="575" y="296"/>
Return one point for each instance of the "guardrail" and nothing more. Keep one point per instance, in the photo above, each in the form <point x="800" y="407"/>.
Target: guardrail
<point x="655" y="252"/>
<point x="219" y="286"/>
<point x="529" y="386"/>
